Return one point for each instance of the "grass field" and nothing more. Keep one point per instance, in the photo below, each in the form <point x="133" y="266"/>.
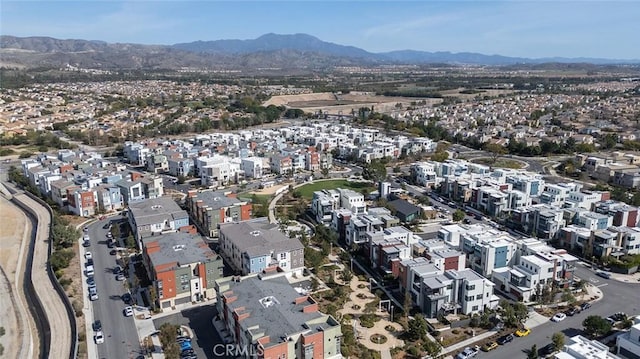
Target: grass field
<point x="307" y="190"/>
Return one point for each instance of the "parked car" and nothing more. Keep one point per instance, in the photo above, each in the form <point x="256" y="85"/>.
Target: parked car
<point x="558" y="317"/>
<point x="89" y="262"/>
<point x="126" y="297"/>
<point x="90" y="272"/>
<point x="505" y="339"/>
<point x="585" y="305"/>
<point x="93" y="296"/>
<point x="127" y="311"/>
<point x="468" y="353"/>
<point x="86" y="244"/>
<point x="97" y="326"/>
<point x="99" y="337"/>
<point x="573" y="311"/>
<point x="120" y="277"/>
<point x="522" y="332"/>
<point x="604" y="275"/>
<point x="106" y="226"/>
<point x="489" y="346"/>
<point x="88" y="255"/>
<point x="91" y="281"/>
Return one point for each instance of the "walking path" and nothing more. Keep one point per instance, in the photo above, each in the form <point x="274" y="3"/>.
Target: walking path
<point x="358" y="299"/>
<point x="52" y="303"/>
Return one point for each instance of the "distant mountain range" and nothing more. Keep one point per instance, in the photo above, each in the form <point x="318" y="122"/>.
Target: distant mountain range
<point x="297" y="51"/>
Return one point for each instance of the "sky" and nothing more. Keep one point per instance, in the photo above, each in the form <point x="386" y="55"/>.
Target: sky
<point x="535" y="29"/>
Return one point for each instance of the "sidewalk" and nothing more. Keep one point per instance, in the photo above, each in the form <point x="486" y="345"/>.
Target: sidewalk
<point x="468" y="342"/>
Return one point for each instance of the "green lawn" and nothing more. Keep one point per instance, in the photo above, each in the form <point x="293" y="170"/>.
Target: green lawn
<point x="308" y="189"/>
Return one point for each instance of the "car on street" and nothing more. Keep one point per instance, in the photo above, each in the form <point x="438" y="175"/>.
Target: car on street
<point x="93" y="296"/>
<point x="585" y="305"/>
<point x="603" y="274"/>
<point x="127" y="311"/>
<point x="126" y="297"/>
<point x="89" y="262"/>
<point x="489" y="346"/>
<point x="86" y="244"/>
<point x="117" y="269"/>
<point x="91" y="281"/>
<point x="88" y="255"/>
<point x="97" y="326"/>
<point x="89" y="271"/>
<point x="573" y="311"/>
<point x="467" y="353"/>
<point x="113" y="252"/>
<point x="106" y="226"/>
<point x="99" y="337"/>
<point x="558" y="317"/>
<point x="120" y="277"/>
<point x="522" y="332"/>
<point x="505" y="339"/>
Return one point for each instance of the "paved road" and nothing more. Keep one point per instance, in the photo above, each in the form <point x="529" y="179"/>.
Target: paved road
<point x="616" y="298"/>
<point x="206" y="338"/>
<point x="52" y="303"/>
<point x="121" y="336"/>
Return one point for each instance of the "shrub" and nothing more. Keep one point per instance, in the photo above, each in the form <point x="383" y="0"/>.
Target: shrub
<point x="60" y="260"/>
<point x="456" y="331"/>
<point x="77" y="308"/>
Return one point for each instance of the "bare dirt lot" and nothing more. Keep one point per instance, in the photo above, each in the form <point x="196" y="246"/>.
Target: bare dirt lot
<point x="13" y="316"/>
<point x="331" y="103"/>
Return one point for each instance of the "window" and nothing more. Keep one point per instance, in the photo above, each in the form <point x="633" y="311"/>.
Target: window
<point x="471" y="287"/>
<point x="479" y="296"/>
<point x="283" y="255"/>
<point x="474" y="308"/>
<point x="549" y="270"/>
<point x="308" y="352"/>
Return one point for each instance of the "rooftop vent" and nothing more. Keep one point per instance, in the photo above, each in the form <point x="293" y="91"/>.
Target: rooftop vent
<point x="254" y="233"/>
<point x="216" y="199"/>
<point x="156" y="206"/>
<point x="179" y="247"/>
<point x="269" y="301"/>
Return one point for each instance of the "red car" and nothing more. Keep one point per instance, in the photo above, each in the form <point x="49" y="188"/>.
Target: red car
<point x="103" y="217"/>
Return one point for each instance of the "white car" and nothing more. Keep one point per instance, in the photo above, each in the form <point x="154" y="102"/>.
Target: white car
<point x="93" y="296"/>
<point x="99" y="337"/>
<point x="88" y="255"/>
<point x="128" y="311"/>
<point x="559" y="317"/>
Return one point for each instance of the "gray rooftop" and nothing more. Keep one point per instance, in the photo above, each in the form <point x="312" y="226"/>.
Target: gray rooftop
<point x="217" y="199"/>
<point x="258" y="237"/>
<point x="178" y="247"/>
<point x="156" y="210"/>
<point x="277" y="317"/>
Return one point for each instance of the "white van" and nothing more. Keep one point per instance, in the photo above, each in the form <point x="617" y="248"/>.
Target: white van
<point x="90" y="271"/>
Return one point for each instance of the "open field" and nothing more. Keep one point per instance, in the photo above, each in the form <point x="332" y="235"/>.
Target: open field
<point x="307" y="190"/>
<point x="331" y="103"/>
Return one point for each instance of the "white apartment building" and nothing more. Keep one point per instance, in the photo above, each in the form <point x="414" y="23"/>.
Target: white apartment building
<point x="424" y="173"/>
<point x="579" y="347"/>
<point x="582" y="199"/>
<point x="629" y="343"/>
<point x="352" y="200"/>
<point x="252" y="167"/>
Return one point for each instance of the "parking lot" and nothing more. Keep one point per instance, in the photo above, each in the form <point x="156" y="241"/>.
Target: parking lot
<point x="205" y="337"/>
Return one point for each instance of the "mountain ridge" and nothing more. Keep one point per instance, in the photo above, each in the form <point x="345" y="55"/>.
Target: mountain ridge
<point x="269" y="50"/>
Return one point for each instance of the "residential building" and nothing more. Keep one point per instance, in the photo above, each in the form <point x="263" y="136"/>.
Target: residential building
<point x="628" y="343"/>
<point x="405" y="211"/>
<point x="210" y="208"/>
<point x="464" y="292"/>
<point x="271" y="319"/>
<point x="252" y="167"/>
<point x="182" y="267"/>
<point x="155" y="216"/>
<point x="579" y="347"/>
<point x="256" y="245"/>
<point x="180" y="167"/>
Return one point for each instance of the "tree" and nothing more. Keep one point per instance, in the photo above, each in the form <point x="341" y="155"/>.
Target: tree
<point x="325" y="172"/>
<point x="417" y="328"/>
<point x="432" y="348"/>
<point x="495" y="150"/>
<point x="458" y="215"/>
<point x="440" y="156"/>
<point x="558" y="340"/>
<point x="375" y="171"/>
<point x="533" y="352"/>
<point x="596" y="325"/>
